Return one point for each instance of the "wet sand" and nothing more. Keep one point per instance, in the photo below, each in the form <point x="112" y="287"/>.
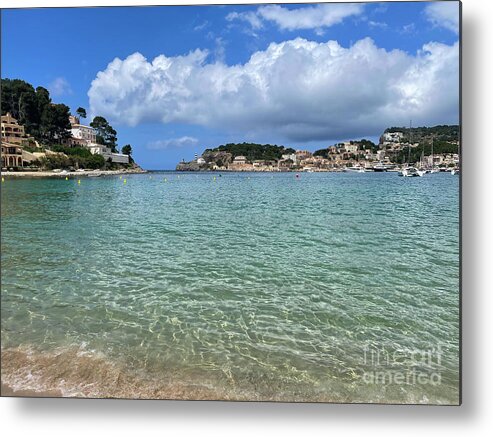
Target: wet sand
<point x="7" y="391"/>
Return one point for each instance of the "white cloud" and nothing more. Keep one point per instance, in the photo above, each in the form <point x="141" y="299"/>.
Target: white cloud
<point x="172" y="142"/>
<point x="380" y="24"/>
<point x="59" y="87"/>
<point x="298" y="90"/>
<point x="313" y="17"/>
<point x="201" y="26"/>
<point x="444" y="14"/>
<point x="250" y="17"/>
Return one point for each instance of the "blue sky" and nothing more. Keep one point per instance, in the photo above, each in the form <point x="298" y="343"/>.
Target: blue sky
<point x="193" y="77"/>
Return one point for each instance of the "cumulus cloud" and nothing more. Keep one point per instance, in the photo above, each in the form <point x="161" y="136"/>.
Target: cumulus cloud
<point x="59" y="87"/>
<point x="172" y="142"/>
<point x="312" y="17"/>
<point x="298" y="90"/>
<point x="444" y="14"/>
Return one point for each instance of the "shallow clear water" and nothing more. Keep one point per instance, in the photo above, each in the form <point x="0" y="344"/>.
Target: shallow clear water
<point x="246" y="286"/>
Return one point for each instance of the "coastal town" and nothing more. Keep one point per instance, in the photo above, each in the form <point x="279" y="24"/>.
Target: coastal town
<point x="432" y="151"/>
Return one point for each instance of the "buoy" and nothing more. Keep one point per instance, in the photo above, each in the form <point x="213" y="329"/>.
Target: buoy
<point x="66" y="178"/>
<point x="124" y="181"/>
<point x="78" y="181"/>
<point x="297" y="175"/>
<point x="214" y="177"/>
<point x="3" y="179"/>
<point x="120" y="177"/>
<point x="165" y="180"/>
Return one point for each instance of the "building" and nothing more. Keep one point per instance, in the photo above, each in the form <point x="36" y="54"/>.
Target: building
<point x="85" y="136"/>
<point x="11" y="155"/>
<point x="81" y="133"/>
<point x="291" y="156"/>
<point x="200" y="161"/>
<point x="350" y="148"/>
<point x="13" y="132"/>
<point x="240" y="159"/>
<point x="108" y="155"/>
<point x="302" y="154"/>
<point x="392" y="137"/>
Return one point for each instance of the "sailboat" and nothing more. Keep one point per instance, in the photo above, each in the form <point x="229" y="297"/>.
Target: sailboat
<point x="433" y="169"/>
<point x="409" y="171"/>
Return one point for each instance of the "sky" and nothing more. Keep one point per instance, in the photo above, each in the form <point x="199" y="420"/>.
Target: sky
<point x="175" y="80"/>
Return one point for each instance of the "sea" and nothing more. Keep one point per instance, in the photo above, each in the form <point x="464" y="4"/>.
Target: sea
<point x="310" y="287"/>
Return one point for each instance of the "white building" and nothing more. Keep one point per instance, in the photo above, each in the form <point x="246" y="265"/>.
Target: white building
<point x="291" y="156"/>
<point x="350" y="148"/>
<point x="240" y="159"/>
<point x="200" y="161"/>
<point x="85" y="133"/>
<point x="99" y="149"/>
<point x="393" y="137"/>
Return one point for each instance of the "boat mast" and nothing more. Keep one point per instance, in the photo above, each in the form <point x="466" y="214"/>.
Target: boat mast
<point x="410" y="141"/>
<point x="432" y="156"/>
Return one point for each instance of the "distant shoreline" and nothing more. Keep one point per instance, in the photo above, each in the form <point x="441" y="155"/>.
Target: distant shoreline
<point x="69" y="174"/>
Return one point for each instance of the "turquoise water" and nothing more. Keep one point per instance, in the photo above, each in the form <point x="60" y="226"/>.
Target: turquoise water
<point x="248" y="286"/>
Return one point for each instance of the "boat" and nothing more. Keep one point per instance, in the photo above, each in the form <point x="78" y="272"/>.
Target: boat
<point x="380" y="167"/>
<point x="411" y="172"/>
<point x="455" y="171"/>
<point x="354" y="169"/>
<point x="433" y="168"/>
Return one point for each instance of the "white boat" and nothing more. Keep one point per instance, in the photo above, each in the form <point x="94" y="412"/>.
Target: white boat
<point x="380" y="167"/>
<point x="411" y="172"/>
<point x="433" y="168"/>
<point x="354" y="169"/>
<point x="455" y="171"/>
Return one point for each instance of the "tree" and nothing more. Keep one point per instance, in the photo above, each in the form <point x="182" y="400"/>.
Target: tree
<point x="105" y="134"/>
<point x="81" y="112"/>
<point x="55" y="124"/>
<point x="127" y="149"/>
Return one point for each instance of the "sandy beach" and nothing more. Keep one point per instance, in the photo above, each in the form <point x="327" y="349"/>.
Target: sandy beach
<point x="7" y="391"/>
<point x="69" y="174"/>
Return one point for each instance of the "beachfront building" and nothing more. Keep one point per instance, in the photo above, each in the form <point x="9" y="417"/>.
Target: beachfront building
<point x="108" y="155"/>
<point x="11" y="156"/>
<point x="85" y="134"/>
<point x="12" y="131"/>
<point x="240" y="159"/>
